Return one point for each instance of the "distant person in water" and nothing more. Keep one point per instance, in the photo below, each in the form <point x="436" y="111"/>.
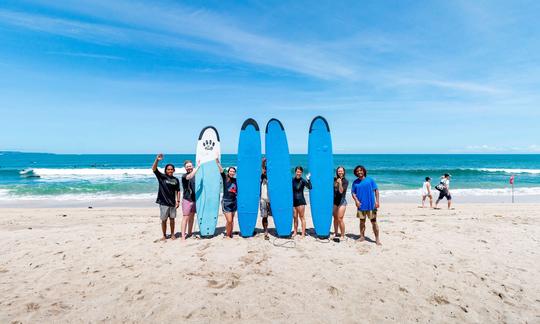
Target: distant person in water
<point x="366" y="196"/>
<point x="299" y="201"/>
<point x="168" y="196"/>
<point x="340" y="203"/>
<point x="444" y="191"/>
<point x="265" y="200"/>
<point x="230" y="191"/>
<point x="188" y="199"/>
<point x="426" y="192"/>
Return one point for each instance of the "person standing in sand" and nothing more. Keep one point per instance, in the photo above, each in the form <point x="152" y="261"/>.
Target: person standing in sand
<point x="366" y="196"/>
<point x="426" y="192"/>
<point x="188" y="199"/>
<point x="229" y="203"/>
<point x="264" y="205"/>
<point x="444" y="191"/>
<point x="168" y="196"/>
<point x="340" y="203"/>
<point x="299" y="201"/>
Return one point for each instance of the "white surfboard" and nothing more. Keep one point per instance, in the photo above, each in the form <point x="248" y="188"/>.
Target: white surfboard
<point x="208" y="180"/>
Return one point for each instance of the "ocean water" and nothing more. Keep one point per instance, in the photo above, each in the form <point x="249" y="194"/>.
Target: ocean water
<point x="107" y="176"/>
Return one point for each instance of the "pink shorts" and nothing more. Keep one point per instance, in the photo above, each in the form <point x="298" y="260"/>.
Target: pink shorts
<point x="188" y="207"/>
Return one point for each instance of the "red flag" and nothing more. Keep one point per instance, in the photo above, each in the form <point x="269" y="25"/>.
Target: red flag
<point x="512" y="180"/>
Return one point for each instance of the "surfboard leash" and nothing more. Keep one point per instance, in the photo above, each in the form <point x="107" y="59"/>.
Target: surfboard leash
<point x="285" y="244"/>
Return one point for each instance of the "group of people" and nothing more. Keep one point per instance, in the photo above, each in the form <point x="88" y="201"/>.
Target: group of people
<point x="364" y="192"/>
<point x="444" y="191"/>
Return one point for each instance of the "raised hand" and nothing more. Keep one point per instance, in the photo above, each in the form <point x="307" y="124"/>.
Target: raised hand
<point x="159" y="157"/>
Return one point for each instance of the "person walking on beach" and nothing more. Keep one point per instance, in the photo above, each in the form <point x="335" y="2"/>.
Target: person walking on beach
<point x="168" y="196"/>
<point x="188" y="199"/>
<point x="230" y="190"/>
<point x="264" y="205"/>
<point x="426" y="192"/>
<point x="444" y="191"/>
<point x="340" y="203"/>
<point x="299" y="201"/>
<point x="366" y="196"/>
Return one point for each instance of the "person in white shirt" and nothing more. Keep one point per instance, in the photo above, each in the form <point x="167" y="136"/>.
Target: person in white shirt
<point x="426" y="192"/>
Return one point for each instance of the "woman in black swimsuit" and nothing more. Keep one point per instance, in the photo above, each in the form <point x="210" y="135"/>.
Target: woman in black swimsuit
<point x="299" y="201"/>
<point x="340" y="203"/>
<point x="230" y="191"/>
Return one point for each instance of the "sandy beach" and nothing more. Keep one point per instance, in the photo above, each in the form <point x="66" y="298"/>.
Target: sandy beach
<point x="477" y="263"/>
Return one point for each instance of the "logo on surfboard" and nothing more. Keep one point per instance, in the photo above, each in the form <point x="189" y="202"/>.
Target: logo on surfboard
<point x="208" y="145"/>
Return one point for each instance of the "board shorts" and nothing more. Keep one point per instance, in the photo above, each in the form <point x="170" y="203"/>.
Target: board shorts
<point x="445" y="194"/>
<point x="371" y="214"/>
<point x="264" y="206"/>
<point x="229" y="206"/>
<point x="188" y="207"/>
<point x="167" y="212"/>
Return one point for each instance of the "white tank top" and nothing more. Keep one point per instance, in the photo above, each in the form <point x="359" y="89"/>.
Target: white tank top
<point x="425" y="188"/>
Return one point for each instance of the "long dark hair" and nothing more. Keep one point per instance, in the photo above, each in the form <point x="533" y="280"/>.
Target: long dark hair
<point x="360" y="167"/>
<point x="170" y="165"/>
<point x="337" y="169"/>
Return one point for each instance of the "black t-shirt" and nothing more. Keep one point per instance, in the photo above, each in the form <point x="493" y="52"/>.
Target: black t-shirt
<point x="338" y="196"/>
<point x="298" y="188"/>
<point x="168" y="186"/>
<point x="189" y="188"/>
<point x="229" y="187"/>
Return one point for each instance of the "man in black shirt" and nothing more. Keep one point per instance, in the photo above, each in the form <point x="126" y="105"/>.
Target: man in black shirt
<point x="168" y="196"/>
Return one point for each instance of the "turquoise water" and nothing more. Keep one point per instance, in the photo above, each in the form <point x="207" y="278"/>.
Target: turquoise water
<point x="109" y="176"/>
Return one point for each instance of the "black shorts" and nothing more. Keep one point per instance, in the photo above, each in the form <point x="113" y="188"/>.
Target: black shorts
<point x="299" y="202"/>
<point x="229" y="206"/>
<point x="445" y="194"/>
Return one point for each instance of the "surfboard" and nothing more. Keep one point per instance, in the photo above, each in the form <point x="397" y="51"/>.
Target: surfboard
<point x="208" y="180"/>
<point x="248" y="176"/>
<point x="279" y="176"/>
<point x="321" y="167"/>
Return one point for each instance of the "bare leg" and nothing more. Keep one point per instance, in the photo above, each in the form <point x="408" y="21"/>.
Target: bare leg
<point x="164" y="230"/>
<point x="229" y="224"/>
<point x="336" y="220"/>
<point x="423" y="200"/>
<point x="172" y="229"/>
<point x="301" y="211"/>
<point x="295" y="221"/>
<point x="430" y="201"/>
<point x="362" y="230"/>
<point x="190" y="223"/>
<point x="376" y="231"/>
<point x="183" y="225"/>
<point x="265" y="225"/>
<point x="449" y="203"/>
<point x="341" y="214"/>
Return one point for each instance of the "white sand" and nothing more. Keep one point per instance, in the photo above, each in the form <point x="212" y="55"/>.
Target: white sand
<point x="478" y="263"/>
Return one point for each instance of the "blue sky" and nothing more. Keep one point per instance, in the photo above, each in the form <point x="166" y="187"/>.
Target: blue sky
<point x="390" y="76"/>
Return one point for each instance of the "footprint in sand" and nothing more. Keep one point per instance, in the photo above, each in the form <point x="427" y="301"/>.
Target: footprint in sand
<point x="440" y="300"/>
<point x="31" y="307"/>
<point x="333" y="291"/>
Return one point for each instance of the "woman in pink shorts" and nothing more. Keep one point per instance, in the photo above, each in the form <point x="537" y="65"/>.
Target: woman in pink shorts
<point x="188" y="199"/>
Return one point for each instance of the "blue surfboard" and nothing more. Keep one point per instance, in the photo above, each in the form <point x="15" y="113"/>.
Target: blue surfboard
<point x="279" y="176"/>
<point x="321" y="167"/>
<point x="248" y="176"/>
<point x="208" y="180"/>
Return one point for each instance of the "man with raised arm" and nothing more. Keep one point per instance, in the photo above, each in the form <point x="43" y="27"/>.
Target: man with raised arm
<point x="168" y="196"/>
